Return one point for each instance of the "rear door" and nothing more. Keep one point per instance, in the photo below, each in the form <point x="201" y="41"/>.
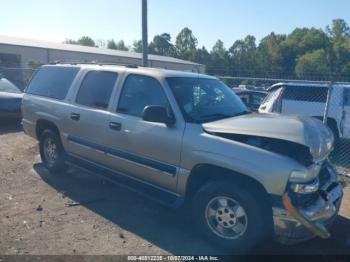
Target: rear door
<point x="346" y="114"/>
<point x="88" y="116"/>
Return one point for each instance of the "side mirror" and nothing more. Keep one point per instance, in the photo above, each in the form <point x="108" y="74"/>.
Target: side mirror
<point x="157" y="114"/>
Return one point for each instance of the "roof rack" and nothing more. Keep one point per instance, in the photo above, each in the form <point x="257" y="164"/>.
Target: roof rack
<point x="73" y="62"/>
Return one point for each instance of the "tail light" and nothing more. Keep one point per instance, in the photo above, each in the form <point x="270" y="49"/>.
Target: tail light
<point x="277" y="105"/>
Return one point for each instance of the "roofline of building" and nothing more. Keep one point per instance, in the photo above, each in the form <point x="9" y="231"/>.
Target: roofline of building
<point x="47" y="45"/>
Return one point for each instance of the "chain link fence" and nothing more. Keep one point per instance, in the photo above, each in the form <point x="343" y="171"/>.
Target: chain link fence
<point x="327" y="101"/>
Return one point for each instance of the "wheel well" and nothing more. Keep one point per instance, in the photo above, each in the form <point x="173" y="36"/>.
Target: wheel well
<point x="42" y="124"/>
<point x="204" y="173"/>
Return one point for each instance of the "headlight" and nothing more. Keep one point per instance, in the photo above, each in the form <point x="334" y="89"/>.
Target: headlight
<point x="306" y="188"/>
<point x="305" y="175"/>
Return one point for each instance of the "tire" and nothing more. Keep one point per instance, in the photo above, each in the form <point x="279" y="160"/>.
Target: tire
<point x="255" y="216"/>
<point x="52" y="152"/>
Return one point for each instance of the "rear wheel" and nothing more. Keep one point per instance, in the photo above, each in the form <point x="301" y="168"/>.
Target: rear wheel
<point x="51" y="151"/>
<point x="231" y="216"/>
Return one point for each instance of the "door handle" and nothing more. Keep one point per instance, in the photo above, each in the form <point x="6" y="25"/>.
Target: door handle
<point x="75" y="116"/>
<point x="115" y="126"/>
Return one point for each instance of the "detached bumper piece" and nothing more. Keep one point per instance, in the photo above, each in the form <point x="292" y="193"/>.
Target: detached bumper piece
<point x="293" y="225"/>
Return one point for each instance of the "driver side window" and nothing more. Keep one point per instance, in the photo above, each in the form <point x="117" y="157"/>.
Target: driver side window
<point x="138" y="92"/>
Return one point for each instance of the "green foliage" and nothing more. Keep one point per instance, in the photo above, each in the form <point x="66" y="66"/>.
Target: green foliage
<point x="161" y="45"/>
<point x="121" y="46"/>
<point x="306" y="53"/>
<point x="137" y="46"/>
<point x="313" y="64"/>
<point x="111" y="44"/>
<point x="186" y="44"/>
<point x="84" y="40"/>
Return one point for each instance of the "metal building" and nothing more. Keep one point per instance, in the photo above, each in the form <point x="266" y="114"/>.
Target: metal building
<point x="23" y="53"/>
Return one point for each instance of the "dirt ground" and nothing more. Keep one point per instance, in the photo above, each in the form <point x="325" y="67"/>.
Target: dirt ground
<point x="77" y="213"/>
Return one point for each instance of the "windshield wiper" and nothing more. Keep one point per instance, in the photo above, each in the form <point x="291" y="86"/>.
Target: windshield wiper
<point x="216" y="115"/>
<point x="245" y="112"/>
<point x="224" y="115"/>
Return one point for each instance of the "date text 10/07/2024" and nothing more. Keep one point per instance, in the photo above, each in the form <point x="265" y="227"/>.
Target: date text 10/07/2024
<point x="173" y="258"/>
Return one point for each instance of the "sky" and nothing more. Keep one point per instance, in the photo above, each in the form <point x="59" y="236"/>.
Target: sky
<point x="210" y="20"/>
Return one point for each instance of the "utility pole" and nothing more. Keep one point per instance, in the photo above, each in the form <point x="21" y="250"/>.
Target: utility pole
<point x="144" y="34"/>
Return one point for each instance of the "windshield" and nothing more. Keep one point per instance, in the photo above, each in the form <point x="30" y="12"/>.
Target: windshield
<point x="203" y="100"/>
<point x="7" y="86"/>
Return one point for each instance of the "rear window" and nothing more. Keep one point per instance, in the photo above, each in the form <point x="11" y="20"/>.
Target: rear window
<point x="306" y="93"/>
<point x="53" y="82"/>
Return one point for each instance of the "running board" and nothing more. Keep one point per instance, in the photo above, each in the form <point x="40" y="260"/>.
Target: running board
<point x="147" y="190"/>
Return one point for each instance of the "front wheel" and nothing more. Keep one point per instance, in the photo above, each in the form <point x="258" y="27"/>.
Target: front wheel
<point x="231" y="216"/>
<point x="51" y="151"/>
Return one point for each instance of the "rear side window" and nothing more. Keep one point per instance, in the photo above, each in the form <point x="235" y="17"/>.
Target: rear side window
<point x="96" y="89"/>
<point x="53" y="82"/>
<point x="306" y="93"/>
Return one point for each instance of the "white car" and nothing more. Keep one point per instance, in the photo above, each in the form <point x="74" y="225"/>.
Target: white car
<point x="310" y="100"/>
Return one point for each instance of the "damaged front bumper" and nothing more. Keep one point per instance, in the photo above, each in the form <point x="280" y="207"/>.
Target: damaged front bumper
<point x="293" y="225"/>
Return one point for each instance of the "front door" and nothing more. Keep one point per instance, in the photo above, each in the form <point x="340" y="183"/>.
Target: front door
<point x="147" y="151"/>
<point x="346" y="114"/>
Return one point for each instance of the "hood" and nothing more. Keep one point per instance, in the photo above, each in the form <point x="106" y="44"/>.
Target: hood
<point x="306" y="131"/>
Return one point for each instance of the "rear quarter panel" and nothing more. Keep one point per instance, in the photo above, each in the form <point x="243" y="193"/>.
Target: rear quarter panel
<point x="37" y="107"/>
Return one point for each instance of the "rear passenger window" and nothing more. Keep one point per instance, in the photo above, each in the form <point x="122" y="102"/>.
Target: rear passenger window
<point x="96" y="89"/>
<point x="306" y="93"/>
<point x="139" y="92"/>
<point x="53" y="82"/>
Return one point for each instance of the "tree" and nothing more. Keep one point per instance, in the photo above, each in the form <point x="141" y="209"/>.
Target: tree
<point x="338" y="29"/>
<point x="121" y="46"/>
<point x="84" y="40"/>
<point x="269" y="56"/>
<point x="111" y="44"/>
<point x="186" y="43"/>
<point x="201" y="56"/>
<point x="339" y="55"/>
<point x="313" y="65"/>
<point x="161" y="45"/>
<point x="243" y="56"/>
<point x="70" y="41"/>
<point x="219" y="59"/>
<point x="137" y="46"/>
<point x="298" y="43"/>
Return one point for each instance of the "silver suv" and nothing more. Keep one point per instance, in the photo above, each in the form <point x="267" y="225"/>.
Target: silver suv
<point x="183" y="138"/>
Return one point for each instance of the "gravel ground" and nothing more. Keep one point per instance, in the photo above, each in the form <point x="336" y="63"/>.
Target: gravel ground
<point x="76" y="213"/>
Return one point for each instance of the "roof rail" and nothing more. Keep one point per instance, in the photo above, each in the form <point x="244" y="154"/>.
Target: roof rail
<point x="76" y="62"/>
